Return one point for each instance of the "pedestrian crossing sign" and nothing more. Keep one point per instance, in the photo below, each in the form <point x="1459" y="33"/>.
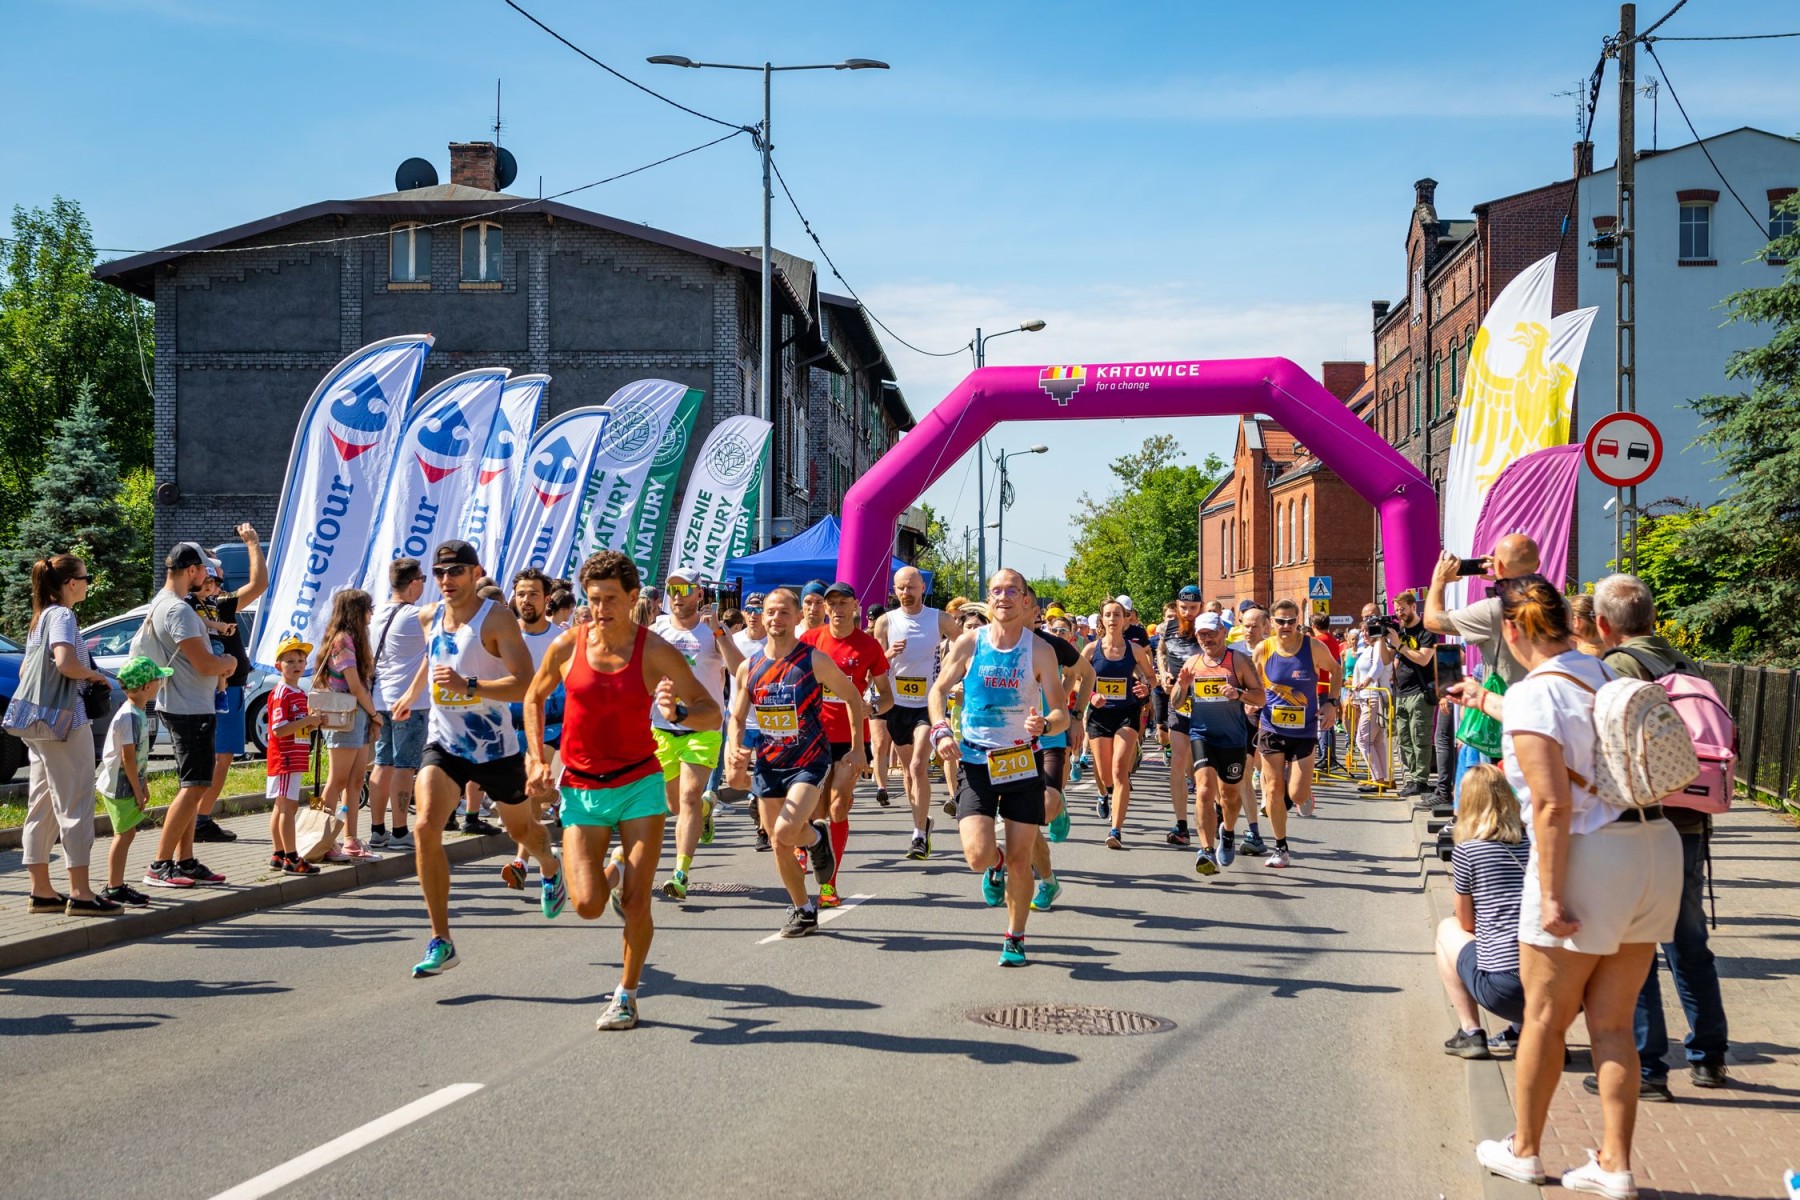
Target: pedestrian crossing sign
<point x="1318" y="587"/>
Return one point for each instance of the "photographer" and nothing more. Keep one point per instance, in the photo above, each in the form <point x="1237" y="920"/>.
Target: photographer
<point x="1411" y="646"/>
<point x="1373" y="676"/>
<point x="1479" y="623"/>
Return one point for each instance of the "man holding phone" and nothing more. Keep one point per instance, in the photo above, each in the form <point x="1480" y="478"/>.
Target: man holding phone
<point x="1479" y="623"/>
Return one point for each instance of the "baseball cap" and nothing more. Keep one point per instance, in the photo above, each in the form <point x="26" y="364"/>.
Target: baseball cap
<point x="1125" y="602"/>
<point x="141" y="670"/>
<point x="215" y="569"/>
<point x="814" y="587"/>
<point x="1246" y="605"/>
<point x="1211" y="622"/>
<point x="184" y="555"/>
<point x="756" y="598"/>
<point x="840" y="588"/>
<point x="1190" y="592"/>
<point x="290" y="644"/>
<point x="455" y="552"/>
<point x="1054" y="611"/>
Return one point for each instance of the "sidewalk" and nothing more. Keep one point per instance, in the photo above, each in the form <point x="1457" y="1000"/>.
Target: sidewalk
<point x="1737" y="1141"/>
<point x="27" y="938"/>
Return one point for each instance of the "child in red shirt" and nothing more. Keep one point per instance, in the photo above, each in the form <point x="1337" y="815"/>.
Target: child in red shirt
<point x="289" y="722"/>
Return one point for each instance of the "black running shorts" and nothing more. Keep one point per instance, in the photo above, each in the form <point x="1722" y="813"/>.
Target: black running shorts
<point x="901" y="721"/>
<point x="503" y="779"/>
<point x="976" y="797"/>
<point x="1281" y="745"/>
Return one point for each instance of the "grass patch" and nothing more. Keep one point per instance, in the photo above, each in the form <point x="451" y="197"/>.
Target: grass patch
<point x="243" y="777"/>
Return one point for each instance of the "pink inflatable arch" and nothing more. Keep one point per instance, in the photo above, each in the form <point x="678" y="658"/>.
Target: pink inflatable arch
<point x="1403" y="498"/>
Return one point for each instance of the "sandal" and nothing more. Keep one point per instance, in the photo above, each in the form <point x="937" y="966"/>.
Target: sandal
<point x="48" y="904"/>
<point x="97" y="907"/>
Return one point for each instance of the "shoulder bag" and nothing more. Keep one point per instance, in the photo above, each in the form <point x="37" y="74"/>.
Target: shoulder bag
<point x="44" y="707"/>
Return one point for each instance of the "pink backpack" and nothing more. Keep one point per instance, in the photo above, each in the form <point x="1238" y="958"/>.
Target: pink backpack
<point x="1714" y="733"/>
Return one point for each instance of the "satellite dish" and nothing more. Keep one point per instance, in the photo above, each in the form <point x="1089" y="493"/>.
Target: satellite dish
<point x="415" y="173"/>
<point x="506" y="168"/>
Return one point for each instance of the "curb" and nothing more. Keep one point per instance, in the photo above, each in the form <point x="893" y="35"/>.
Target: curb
<point x="12" y="837"/>
<point x="216" y="904"/>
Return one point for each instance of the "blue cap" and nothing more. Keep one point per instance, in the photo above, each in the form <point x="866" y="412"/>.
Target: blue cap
<point x="1190" y="592"/>
<point x="840" y="587"/>
<point x="815" y="588"/>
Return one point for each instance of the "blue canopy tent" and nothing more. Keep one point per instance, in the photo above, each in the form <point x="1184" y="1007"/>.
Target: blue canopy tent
<point x="811" y="554"/>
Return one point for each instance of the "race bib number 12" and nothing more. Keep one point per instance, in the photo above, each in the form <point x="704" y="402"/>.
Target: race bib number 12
<point x="1112" y="689"/>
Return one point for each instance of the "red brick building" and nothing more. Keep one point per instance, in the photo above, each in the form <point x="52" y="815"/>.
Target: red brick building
<point x="1454" y="269"/>
<point x="1283" y="516"/>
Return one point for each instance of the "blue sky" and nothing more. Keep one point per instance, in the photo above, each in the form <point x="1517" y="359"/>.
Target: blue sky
<point x="1155" y="180"/>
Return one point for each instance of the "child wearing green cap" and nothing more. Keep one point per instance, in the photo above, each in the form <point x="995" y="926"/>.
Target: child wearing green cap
<point x="123" y="793"/>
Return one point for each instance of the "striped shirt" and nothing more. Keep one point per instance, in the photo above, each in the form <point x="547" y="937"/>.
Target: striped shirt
<point x="1493" y="873"/>
<point x="786" y="709"/>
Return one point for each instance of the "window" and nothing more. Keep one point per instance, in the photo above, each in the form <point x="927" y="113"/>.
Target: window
<point x="1418" y="295"/>
<point x="1305" y="526"/>
<point x="409" y="254"/>
<point x="1696" y="232"/>
<point x="1781" y="224"/>
<point x="1437" y="387"/>
<point x="1418" y="399"/>
<point x="1453" y="394"/>
<point x="481" y="253"/>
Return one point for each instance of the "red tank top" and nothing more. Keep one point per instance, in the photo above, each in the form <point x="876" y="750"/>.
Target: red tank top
<point x="606" y="738"/>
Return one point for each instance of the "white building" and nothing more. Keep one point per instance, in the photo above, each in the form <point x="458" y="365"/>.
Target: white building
<point x="1695" y="246"/>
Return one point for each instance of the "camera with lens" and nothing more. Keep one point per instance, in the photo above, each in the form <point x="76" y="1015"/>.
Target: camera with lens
<point x="1378" y="626"/>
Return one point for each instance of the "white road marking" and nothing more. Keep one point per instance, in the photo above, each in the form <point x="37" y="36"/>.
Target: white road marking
<point x="829" y="914"/>
<point x="297" y="1168"/>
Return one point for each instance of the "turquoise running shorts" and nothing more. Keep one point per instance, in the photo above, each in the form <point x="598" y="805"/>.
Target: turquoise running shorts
<point x="610" y="807"/>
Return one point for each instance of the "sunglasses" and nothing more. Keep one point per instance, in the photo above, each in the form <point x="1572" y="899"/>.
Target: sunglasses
<point x="753" y="609"/>
<point x="683" y="589"/>
<point x="448" y="572"/>
<point x="79" y="578"/>
<point x="1284" y="622"/>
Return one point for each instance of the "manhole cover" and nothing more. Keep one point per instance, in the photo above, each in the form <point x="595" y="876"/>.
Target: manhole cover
<point x="720" y="889"/>
<point x="1069" y="1018"/>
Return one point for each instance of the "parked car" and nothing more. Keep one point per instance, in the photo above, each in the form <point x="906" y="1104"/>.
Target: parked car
<point x="12" y="750"/>
<point x="110" y="643"/>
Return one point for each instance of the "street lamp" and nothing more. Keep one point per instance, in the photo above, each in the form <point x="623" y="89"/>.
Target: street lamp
<point x="980" y="347"/>
<point x="1000" y="525"/>
<point x="764" y="505"/>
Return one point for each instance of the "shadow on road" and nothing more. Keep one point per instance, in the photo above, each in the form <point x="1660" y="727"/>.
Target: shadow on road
<point x="745" y="1032"/>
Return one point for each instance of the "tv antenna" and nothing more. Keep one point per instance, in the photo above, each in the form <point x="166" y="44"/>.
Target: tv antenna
<point x="1579" y="92"/>
<point x="1650" y="88"/>
<point x="497" y="122"/>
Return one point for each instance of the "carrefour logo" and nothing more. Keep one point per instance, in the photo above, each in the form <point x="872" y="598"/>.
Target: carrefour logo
<point x="498" y="452"/>
<point x="444" y="443"/>
<point x="731" y="459"/>
<point x="356" y="418"/>
<point x="1061" y="383"/>
<point x="630" y="434"/>
<point x="553" y="473"/>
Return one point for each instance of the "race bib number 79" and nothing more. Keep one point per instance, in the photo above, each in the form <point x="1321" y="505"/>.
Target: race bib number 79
<point x="1286" y="716"/>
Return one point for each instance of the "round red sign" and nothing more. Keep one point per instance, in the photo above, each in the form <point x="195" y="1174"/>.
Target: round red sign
<point x="1623" y="449"/>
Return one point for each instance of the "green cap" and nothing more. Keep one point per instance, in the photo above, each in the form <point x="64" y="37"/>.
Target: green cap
<point x="141" y="670"/>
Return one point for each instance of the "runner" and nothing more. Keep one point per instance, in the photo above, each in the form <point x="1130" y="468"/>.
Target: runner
<point x="1176" y="645"/>
<point x="1077" y="678"/>
<point x="1123" y="677"/>
<point x="813" y="614"/>
<point x="1218" y="682"/>
<point x="862" y="660"/>
<point x="911" y="634"/>
<point x="688" y="755"/>
<point x="778" y="693"/>
<point x="531" y="605"/>
<point x="475" y="664"/>
<point x="610" y="670"/>
<point x="1292" y="665"/>
<point x="1328" y="703"/>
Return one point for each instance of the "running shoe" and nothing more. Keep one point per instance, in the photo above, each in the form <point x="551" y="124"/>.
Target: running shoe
<point x="208" y="830"/>
<point x="1075" y="771"/>
<point x="360" y="851"/>
<point x="1103" y="807"/>
<point x="618" y="902"/>
<point x="828" y="897"/>
<point x="277" y="861"/>
<point x="1254" y="846"/>
<point x="1592" y="1177"/>
<point x="378" y="839"/>
<point x="298" y="866"/>
<point x="921" y="848"/>
<point x="1277" y="858"/>
<point x="707" y="800"/>
<point x="762" y="840"/>
<point x="200" y="873"/>
<point x="621" y="1013"/>
<point x="124" y="894"/>
<point x="1058" y="830"/>
<point x="800" y="922"/>
<point x="1177" y="836"/>
<point x="1115" y="839"/>
<point x="1227" y="854"/>
<point x="1012" y="952"/>
<point x="993" y="886"/>
<point x="556" y="896"/>
<point x="1499" y="1158"/>
<point x="1206" y="863"/>
<point x="881" y="797"/>
<point x="1047" y="892"/>
<point x="949" y="805"/>
<point x="440" y="956"/>
<point x="1468" y="1043"/>
<point x="400" y="841"/>
<point x="336" y="854"/>
<point x="1369" y="789"/>
<point x="472" y="824"/>
<point x="824" y="859"/>
<point x="514" y="874"/>
<point x="800" y="857"/>
<point x="675" y="886"/>
<point x="1306" y="807"/>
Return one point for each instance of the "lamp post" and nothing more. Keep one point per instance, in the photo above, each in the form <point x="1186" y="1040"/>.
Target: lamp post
<point x="980" y="347"/>
<point x="764" y="401"/>
<point x="1000" y="524"/>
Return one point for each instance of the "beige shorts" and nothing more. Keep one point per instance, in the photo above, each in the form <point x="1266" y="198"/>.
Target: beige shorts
<point x="1623" y="885"/>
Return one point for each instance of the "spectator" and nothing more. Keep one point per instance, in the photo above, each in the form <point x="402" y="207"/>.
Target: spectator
<point x="49" y="715"/>
<point x="1602" y="888"/>
<point x="1479" y="622"/>
<point x="123" y="789"/>
<point x="399" y="745"/>
<point x="1328" y="705"/>
<point x="1626" y="615"/>
<point x="1478" y="948"/>
<point x="288" y="720"/>
<point x="229" y="735"/>
<point x="1587" y="634"/>
<point x="1415" y="691"/>
<point x="344" y="663"/>
<point x="172" y="636"/>
<point x="562" y="607"/>
<point x="1371" y="686"/>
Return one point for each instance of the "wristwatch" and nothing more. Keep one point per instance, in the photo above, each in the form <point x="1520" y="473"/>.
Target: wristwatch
<point x="473" y="684"/>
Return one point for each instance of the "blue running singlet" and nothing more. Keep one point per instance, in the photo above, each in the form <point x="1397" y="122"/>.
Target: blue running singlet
<point x="994" y="696"/>
<point x="1292" y="705"/>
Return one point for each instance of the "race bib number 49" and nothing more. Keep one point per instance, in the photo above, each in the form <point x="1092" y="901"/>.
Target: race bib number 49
<point x="1011" y="765"/>
<point x="778" y="721"/>
<point x="1112" y="689"/>
<point x="909" y="687"/>
<point x="1286" y="716"/>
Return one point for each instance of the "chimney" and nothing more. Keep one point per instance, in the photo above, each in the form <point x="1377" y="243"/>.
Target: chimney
<point x="1424" y="192"/>
<point x="1381" y="310"/>
<point x="1342" y="379"/>
<point x="1584" y="159"/>
<point x="472" y="165"/>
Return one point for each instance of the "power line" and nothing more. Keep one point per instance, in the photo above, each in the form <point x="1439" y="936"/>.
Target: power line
<point x="1655" y="25"/>
<point x="1668" y="83"/>
<point x="839" y="275"/>
<point x="623" y="77"/>
<point x="1729" y="37"/>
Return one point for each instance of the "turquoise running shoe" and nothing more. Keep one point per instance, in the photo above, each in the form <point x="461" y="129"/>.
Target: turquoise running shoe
<point x="1058" y="830"/>
<point x="1227" y="853"/>
<point x="993" y="886"/>
<point x="440" y="956"/>
<point x="1012" y="952"/>
<point x="1047" y="892"/>
<point x="556" y="895"/>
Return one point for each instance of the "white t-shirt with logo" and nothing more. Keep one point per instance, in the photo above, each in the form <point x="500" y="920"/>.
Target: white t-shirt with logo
<point x="1563" y="712"/>
<point x="397" y="661"/>
<point x="701" y="649"/>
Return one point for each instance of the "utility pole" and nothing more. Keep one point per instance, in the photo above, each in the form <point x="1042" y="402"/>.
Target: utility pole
<point x="965" y="557"/>
<point x="1625" y="292"/>
<point x="980" y="479"/>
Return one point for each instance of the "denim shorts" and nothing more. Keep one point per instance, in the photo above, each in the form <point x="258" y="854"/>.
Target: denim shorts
<point x="353" y="738"/>
<point x="1500" y="992"/>
<point x="400" y="744"/>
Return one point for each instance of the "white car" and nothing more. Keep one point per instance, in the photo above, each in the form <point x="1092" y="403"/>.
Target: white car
<point x="109" y="641"/>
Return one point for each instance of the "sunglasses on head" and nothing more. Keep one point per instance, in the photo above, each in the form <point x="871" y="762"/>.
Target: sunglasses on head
<point x="451" y="572"/>
<point x="683" y="589"/>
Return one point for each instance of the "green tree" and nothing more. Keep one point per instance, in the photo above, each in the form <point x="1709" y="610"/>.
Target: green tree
<point x="80" y="507"/>
<point x="61" y="328"/>
<point x="1142" y="539"/>
<point x="1748" y="545"/>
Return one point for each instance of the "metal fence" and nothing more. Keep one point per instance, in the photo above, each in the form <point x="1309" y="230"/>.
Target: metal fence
<point x="1765" y="703"/>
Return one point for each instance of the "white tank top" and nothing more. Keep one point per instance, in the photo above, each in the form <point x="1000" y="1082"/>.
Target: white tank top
<point x="538" y="644"/>
<point x="701" y="649"/>
<point x="915" y="668"/>
<point x="469" y="727"/>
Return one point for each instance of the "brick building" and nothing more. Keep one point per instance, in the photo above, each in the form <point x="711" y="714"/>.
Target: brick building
<point x="249" y="319"/>
<point x="1282" y="516"/>
<point x="1454" y="269"/>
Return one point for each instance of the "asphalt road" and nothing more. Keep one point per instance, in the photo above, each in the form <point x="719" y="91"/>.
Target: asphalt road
<point x="1303" y="1060"/>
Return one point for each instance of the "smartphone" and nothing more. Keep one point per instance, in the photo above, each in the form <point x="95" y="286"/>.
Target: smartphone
<point x="1449" y="666"/>
<point x="1471" y="566"/>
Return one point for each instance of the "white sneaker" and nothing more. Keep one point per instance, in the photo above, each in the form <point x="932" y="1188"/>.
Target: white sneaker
<point x="1277" y="858"/>
<point x="1499" y="1158"/>
<point x="1592" y="1177"/>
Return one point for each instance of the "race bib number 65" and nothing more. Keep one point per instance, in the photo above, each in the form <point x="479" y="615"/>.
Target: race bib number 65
<point x="1209" y="689"/>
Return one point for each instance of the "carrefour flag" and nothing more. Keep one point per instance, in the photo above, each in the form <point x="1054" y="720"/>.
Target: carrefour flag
<point x="502" y="468"/>
<point x="547" y="507"/>
<point x="343" y="447"/>
<point x="723" y="475"/>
